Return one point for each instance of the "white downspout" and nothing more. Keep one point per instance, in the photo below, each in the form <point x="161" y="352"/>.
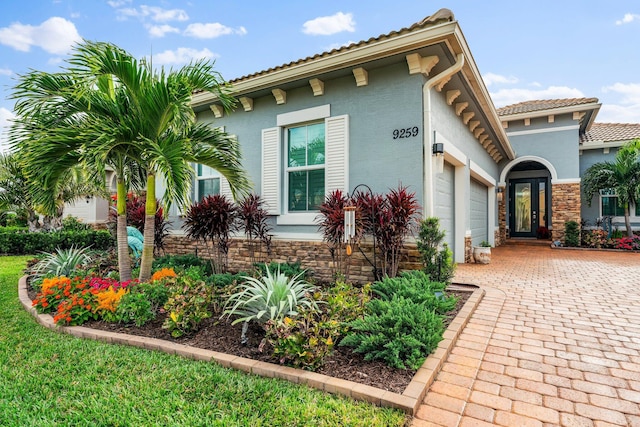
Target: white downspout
<point x="429" y="206"/>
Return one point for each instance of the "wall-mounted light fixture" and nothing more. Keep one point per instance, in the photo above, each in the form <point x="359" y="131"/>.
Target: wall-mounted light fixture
<point x="438" y="153"/>
<point x="500" y="192"/>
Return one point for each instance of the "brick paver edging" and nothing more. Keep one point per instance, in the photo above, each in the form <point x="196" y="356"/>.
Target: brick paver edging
<point x="409" y="401"/>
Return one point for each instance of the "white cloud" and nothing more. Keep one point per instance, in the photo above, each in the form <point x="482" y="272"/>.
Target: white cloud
<point x="5" y="121"/>
<point x="327" y="25"/>
<point x="504" y="97"/>
<point x="630" y="92"/>
<point x="161" y="30"/>
<point x="5" y="72"/>
<point x="118" y="3"/>
<point x="491" y="78"/>
<point x="55" y="35"/>
<point x="628" y="18"/>
<point x="211" y="30"/>
<point x="182" y="55"/>
<point x="156" y="14"/>
<point x="626" y="109"/>
<point x="613" y="113"/>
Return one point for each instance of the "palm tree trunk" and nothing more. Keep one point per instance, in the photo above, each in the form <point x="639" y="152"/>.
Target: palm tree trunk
<point x="124" y="262"/>
<point x="149" y="229"/>
<point x="627" y="220"/>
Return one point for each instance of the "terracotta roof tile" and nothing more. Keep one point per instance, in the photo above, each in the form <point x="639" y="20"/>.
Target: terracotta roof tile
<point x="442" y="15"/>
<point x="541" y="105"/>
<point x="609" y="132"/>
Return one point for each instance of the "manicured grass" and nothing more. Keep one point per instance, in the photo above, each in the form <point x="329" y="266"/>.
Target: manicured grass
<point x="47" y="378"/>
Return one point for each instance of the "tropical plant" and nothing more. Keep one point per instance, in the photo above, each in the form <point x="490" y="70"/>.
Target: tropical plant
<point x="64" y="262"/>
<point x="272" y="297"/>
<point x="622" y="176"/>
<point x="253" y="217"/>
<point x="14" y="194"/>
<point x="110" y="109"/>
<point x="331" y="225"/>
<point x="212" y="221"/>
<point x="187" y="305"/>
<point x="305" y="340"/>
<point x="437" y="259"/>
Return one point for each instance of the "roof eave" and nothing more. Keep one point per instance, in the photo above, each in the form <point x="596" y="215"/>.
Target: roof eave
<point x="476" y="81"/>
<point x="595" y="106"/>
<point x="343" y="59"/>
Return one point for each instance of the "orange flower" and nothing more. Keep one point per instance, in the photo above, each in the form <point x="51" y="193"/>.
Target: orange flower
<point x="161" y="274"/>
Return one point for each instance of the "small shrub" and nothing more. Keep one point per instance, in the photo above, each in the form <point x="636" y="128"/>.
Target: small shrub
<point x="399" y="332"/>
<point x="71" y="223"/>
<point x="629" y="243"/>
<point x="437" y="258"/>
<point x="571" y="234"/>
<point x="543" y="233"/>
<point x="187" y="306"/>
<point x="135" y="307"/>
<point x="303" y="341"/>
<point x="156" y="293"/>
<point x="416" y="287"/>
<point x="595" y="239"/>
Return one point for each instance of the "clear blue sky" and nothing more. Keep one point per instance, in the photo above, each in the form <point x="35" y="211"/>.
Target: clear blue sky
<point x="524" y="50"/>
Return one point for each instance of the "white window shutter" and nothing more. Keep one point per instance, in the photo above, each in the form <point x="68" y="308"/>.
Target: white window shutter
<point x="271" y="169"/>
<point x="225" y="188"/>
<point x="337" y="154"/>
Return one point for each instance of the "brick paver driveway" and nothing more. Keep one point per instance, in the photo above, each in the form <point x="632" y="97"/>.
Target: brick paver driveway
<point x="555" y="341"/>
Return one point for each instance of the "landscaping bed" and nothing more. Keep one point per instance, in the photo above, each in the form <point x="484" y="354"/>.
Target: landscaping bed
<point x="219" y="335"/>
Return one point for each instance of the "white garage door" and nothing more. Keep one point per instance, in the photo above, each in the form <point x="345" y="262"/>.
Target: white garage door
<point x="479" y="212"/>
<point x="444" y="203"/>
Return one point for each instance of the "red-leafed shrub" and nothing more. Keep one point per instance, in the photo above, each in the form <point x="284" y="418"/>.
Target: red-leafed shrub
<point x="212" y="221"/>
<point x="256" y="227"/>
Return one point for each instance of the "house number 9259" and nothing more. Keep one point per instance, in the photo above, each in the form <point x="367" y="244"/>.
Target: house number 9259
<point x="406" y="132"/>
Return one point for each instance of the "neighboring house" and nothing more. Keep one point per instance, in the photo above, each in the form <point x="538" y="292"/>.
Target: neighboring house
<point x="380" y="111"/>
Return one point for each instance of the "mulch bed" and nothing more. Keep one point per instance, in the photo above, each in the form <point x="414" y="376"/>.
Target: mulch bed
<point x="219" y="335"/>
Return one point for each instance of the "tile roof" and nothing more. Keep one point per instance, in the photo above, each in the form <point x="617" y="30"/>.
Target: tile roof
<point x="544" y="104"/>
<point x="608" y="132"/>
<point x="442" y="15"/>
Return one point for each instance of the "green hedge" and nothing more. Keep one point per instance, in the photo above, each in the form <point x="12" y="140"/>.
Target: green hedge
<point x="13" y="242"/>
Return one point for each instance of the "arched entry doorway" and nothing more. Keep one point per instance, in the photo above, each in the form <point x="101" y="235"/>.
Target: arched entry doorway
<point x="527" y="208"/>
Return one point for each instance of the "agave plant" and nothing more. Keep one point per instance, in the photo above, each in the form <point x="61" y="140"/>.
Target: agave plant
<point x="64" y="262"/>
<point x="272" y="297"/>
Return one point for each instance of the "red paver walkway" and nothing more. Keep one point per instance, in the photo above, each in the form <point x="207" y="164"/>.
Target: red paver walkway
<point x="555" y="341"/>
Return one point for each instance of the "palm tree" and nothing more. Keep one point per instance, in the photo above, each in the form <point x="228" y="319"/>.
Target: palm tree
<point x="64" y="119"/>
<point x="621" y="176"/>
<point x="107" y="108"/>
<point x="160" y="114"/>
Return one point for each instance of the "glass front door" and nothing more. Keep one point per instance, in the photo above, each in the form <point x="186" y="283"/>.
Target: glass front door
<point x="527" y="206"/>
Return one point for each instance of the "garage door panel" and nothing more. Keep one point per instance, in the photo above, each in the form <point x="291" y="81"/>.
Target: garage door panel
<point x="445" y="203"/>
<point x="479" y="212"/>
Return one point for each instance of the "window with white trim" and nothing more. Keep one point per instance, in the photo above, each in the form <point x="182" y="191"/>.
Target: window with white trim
<point x="207" y="182"/>
<point x="305" y="167"/>
<point x="304" y="158"/>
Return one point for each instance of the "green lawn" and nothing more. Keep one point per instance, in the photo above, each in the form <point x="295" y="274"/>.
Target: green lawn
<point x="47" y="378"/>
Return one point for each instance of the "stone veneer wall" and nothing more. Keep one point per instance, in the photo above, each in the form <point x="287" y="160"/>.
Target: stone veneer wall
<point x="314" y="256"/>
<point x="565" y="205"/>
<point x="468" y="249"/>
<point x="502" y="221"/>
